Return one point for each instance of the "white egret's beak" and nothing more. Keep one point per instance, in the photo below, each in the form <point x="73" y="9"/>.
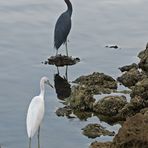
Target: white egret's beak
<point x="48" y="83"/>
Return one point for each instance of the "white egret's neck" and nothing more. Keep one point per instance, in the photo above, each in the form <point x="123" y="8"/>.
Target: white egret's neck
<point x="42" y="88"/>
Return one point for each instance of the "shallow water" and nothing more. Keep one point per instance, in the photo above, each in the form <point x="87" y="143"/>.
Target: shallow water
<point x="26" y="39"/>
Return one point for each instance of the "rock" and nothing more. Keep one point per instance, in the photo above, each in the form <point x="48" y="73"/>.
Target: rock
<point x="133" y="133"/>
<point x="140" y="89"/>
<point x="143" y="55"/>
<point x="81" y="99"/>
<point x="144" y="110"/>
<point x="100" y="145"/>
<point x="128" y="67"/>
<point x="122" y="91"/>
<point x="112" y="46"/>
<point x="96" y="130"/>
<point x="82" y="115"/>
<point x="131" y="77"/>
<point x="110" y="105"/>
<point x="61" y="60"/>
<point x="65" y="111"/>
<point x="130" y="109"/>
<point x="97" y="83"/>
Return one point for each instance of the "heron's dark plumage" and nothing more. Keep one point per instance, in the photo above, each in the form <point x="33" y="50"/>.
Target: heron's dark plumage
<point x="63" y="26"/>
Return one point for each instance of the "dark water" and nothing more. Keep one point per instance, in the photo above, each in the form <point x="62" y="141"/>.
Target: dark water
<point x="26" y="39"/>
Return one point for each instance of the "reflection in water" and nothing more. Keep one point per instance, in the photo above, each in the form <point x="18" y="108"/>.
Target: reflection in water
<point x="62" y="87"/>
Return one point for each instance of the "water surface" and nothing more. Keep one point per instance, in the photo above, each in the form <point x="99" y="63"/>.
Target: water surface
<point x="26" y="39"/>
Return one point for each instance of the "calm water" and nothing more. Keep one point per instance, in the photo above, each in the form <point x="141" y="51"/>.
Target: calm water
<point x="26" y="39"/>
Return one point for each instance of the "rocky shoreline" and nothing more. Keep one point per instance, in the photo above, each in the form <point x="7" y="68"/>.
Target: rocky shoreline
<point x="132" y="115"/>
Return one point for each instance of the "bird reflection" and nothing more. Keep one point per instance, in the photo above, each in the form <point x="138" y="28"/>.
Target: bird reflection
<point x="62" y="87"/>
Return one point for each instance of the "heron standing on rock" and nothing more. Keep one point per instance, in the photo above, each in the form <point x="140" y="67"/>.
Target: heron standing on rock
<point x="62" y="28"/>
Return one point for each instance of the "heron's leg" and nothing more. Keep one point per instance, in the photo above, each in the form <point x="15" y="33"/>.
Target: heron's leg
<point x="66" y="74"/>
<point x="57" y="70"/>
<point x="39" y="137"/>
<point x="66" y="48"/>
<point x="56" y="52"/>
<point x="29" y="142"/>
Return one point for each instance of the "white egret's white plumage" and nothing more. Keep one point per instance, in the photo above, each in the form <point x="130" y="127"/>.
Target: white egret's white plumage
<point x="36" y="110"/>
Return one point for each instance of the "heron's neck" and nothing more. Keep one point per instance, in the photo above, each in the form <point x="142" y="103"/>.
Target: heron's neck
<point x="42" y="89"/>
<point x="69" y="5"/>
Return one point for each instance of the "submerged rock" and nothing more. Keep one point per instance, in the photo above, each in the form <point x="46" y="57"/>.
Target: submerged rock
<point x="110" y="105"/>
<point x="128" y="67"/>
<point x="97" y="83"/>
<point x="131" y="77"/>
<point x="62" y="60"/>
<point x="112" y="46"/>
<point x="96" y="130"/>
<point x="65" y="111"/>
<point x="133" y="133"/>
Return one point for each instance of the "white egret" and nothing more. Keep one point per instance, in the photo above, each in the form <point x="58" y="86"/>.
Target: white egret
<point x="35" y="112"/>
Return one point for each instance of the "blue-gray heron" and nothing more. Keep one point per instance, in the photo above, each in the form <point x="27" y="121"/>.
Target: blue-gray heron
<point x="62" y="28"/>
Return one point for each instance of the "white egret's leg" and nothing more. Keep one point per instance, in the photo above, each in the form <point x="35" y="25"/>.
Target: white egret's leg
<point x="29" y="142"/>
<point x="66" y="48"/>
<point x="39" y="137"/>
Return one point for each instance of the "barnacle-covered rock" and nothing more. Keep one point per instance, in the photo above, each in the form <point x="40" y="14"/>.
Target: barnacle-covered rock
<point x="97" y="83"/>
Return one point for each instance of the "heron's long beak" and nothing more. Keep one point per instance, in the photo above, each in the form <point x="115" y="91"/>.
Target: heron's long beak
<point x="49" y="84"/>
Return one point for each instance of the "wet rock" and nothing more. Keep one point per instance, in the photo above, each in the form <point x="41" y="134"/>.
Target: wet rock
<point x="81" y="99"/>
<point x="82" y="115"/>
<point x="110" y="105"/>
<point x="97" y="83"/>
<point x="131" y="77"/>
<point x="100" y="145"/>
<point x="62" y="87"/>
<point x="143" y="55"/>
<point x="96" y="130"/>
<point x="144" y="110"/>
<point x="140" y="89"/>
<point x="65" y="111"/>
<point x="130" y="109"/>
<point x="128" y="67"/>
<point x="133" y="133"/>
<point x="62" y="60"/>
<point x="112" y="46"/>
<point x="122" y="91"/>
<point x="111" y="120"/>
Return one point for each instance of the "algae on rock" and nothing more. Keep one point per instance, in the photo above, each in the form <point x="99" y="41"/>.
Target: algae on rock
<point x="97" y="83"/>
<point x="110" y="105"/>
